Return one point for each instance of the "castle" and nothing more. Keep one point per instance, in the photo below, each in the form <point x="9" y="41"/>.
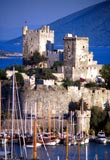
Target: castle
<point x="78" y="62"/>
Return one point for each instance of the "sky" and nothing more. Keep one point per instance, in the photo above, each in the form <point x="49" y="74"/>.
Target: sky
<point x="14" y="13"/>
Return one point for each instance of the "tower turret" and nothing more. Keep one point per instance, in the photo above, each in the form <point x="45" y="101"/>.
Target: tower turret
<point x="24" y="29"/>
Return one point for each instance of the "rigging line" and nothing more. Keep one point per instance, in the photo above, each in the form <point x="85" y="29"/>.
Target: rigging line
<point x="12" y="124"/>
<point x="21" y="123"/>
<point x="18" y="127"/>
<point x="44" y="145"/>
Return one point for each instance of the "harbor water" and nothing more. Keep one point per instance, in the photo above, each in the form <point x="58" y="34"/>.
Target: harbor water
<point x="58" y="152"/>
<point x="101" y="55"/>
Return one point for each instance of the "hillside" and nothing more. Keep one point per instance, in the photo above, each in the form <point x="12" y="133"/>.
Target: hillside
<point x="92" y="22"/>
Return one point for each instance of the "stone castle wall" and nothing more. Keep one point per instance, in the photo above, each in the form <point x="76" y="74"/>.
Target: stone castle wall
<point x="56" y="100"/>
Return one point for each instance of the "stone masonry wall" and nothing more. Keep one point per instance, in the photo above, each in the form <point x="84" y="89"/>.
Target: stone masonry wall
<point x="55" y="101"/>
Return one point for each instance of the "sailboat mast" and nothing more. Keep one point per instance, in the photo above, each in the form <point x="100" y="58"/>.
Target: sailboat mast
<point x="49" y="119"/>
<point x="26" y="117"/>
<point x="13" y="94"/>
<point x="0" y="106"/>
<point x="35" y="141"/>
<point x="31" y="120"/>
<point x="8" y="114"/>
<point x="67" y="142"/>
<point x="78" y="151"/>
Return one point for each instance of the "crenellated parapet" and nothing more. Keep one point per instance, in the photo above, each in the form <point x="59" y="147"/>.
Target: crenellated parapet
<point x="40" y="40"/>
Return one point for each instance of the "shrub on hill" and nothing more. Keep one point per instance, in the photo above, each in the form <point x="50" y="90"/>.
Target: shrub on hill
<point x="91" y="84"/>
<point x="67" y="82"/>
<point x="2" y="75"/>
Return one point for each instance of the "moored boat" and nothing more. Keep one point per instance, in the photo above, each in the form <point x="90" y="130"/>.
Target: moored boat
<point x="31" y="145"/>
<point x="101" y="138"/>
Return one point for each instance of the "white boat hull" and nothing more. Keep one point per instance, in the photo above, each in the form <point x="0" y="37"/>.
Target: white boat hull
<point x="31" y="145"/>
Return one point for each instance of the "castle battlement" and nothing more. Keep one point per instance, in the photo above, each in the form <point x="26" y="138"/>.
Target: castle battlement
<point x="37" y="40"/>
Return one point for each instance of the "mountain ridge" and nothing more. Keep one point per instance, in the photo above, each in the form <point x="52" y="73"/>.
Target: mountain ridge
<point x="92" y="22"/>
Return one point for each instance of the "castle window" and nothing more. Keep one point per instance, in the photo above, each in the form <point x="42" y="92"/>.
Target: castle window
<point x="83" y="46"/>
<point x="93" y="91"/>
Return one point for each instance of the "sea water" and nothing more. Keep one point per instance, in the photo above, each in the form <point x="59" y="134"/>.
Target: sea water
<point x="10" y="61"/>
<point x="101" y="55"/>
<point x="58" y="152"/>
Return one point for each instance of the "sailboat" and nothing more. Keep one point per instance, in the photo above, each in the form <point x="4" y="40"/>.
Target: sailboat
<point x="49" y="138"/>
<point x="34" y="143"/>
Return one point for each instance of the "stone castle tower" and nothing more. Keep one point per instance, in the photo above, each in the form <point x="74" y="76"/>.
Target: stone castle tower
<point x="78" y="62"/>
<point x="41" y="40"/>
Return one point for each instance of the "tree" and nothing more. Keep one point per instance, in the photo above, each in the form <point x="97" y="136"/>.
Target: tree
<point x="107" y="128"/>
<point x="2" y="75"/>
<point x="37" y="58"/>
<point x="56" y="64"/>
<point x="98" y="119"/>
<point x="44" y="73"/>
<point x="67" y="82"/>
<point x="19" y="79"/>
<point x="19" y="68"/>
<point x="105" y="72"/>
<point x="91" y="85"/>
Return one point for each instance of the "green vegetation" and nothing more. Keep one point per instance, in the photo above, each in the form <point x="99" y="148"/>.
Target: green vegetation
<point x="100" y="120"/>
<point x="35" y="59"/>
<point x="56" y="65"/>
<point x="19" y="79"/>
<point x="67" y="82"/>
<point x="19" y="68"/>
<point x="107" y="128"/>
<point x="41" y="73"/>
<point x="105" y="72"/>
<point x="2" y="75"/>
<point x="91" y="85"/>
<point x="44" y="73"/>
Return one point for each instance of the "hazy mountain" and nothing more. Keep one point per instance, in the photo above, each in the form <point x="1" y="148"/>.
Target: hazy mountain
<point x="92" y="22"/>
<point x="14" y="45"/>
